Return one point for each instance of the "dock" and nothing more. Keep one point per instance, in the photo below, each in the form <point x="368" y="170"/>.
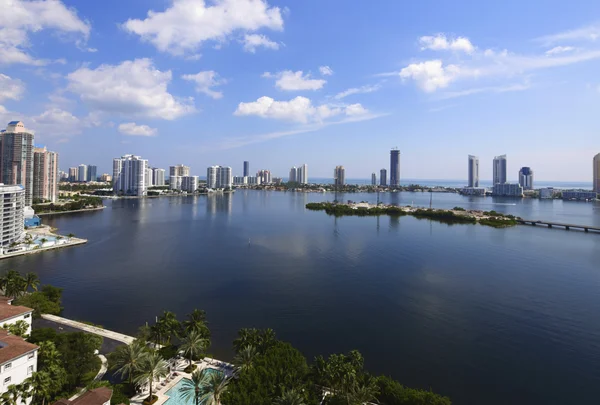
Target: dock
<point x="120" y="337"/>
<point x="550" y="224"/>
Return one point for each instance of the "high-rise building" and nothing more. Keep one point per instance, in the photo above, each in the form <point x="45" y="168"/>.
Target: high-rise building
<point x="526" y="178"/>
<point x="129" y="175"/>
<point x="82" y="173"/>
<point x="45" y="175"/>
<point x="179" y="170"/>
<point x="105" y="177"/>
<point x="373" y="179"/>
<point x="92" y="173"/>
<point x="16" y="157"/>
<point x="508" y="189"/>
<point x="12" y="223"/>
<point x="73" y="173"/>
<point x="265" y="176"/>
<point x="499" y="169"/>
<point x="246" y="168"/>
<point x="211" y="177"/>
<point x="394" y="168"/>
<point x="597" y="173"/>
<point x="383" y="177"/>
<point x="63" y="176"/>
<point x="219" y="177"/>
<point x="189" y="183"/>
<point x="473" y="171"/>
<point x="148" y="178"/>
<point x="158" y="176"/>
<point x="339" y="176"/>
<point x="302" y="176"/>
<point x="175" y="182"/>
<point x="293" y="175"/>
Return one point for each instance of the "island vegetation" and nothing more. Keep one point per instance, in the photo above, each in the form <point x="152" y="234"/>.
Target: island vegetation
<point x="76" y="203"/>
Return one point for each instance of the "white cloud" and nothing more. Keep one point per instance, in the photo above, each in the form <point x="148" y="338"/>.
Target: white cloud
<point x="559" y="49"/>
<point x="292" y="81"/>
<point x="205" y="81"/>
<point x="299" y="109"/>
<point x="588" y="33"/>
<point x="22" y="17"/>
<point x="489" y="89"/>
<point x="10" y="88"/>
<point x="357" y="90"/>
<point x="55" y="122"/>
<point x="253" y="41"/>
<point x="186" y="24"/>
<point x="440" y="42"/>
<point x="325" y="70"/>
<point x="132" y="88"/>
<point x="430" y="75"/>
<point x="131" y="128"/>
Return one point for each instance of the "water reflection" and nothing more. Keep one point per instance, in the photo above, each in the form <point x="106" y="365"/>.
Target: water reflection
<point x="219" y="203"/>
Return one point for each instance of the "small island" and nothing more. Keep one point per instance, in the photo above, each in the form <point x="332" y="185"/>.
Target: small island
<point x="456" y="215"/>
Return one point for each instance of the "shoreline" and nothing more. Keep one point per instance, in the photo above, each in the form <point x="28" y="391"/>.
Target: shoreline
<point x="70" y="212"/>
<point x="73" y="242"/>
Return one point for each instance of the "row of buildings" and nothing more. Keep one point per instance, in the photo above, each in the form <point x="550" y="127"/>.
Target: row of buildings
<point x="394" y="172"/>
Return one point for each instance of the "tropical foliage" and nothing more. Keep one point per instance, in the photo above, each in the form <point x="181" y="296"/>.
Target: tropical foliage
<point x="205" y="388"/>
<point x="14" y="285"/>
<point x="18" y="328"/>
<point x="45" y="301"/>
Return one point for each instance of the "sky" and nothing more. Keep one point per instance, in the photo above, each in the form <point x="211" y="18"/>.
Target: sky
<point x="321" y="82"/>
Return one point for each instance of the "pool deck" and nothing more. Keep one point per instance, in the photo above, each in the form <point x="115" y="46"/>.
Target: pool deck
<point x="161" y="387"/>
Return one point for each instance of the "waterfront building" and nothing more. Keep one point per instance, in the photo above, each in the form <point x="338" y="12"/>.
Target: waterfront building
<point x="583" y="195"/>
<point x="129" y="175"/>
<point x="105" y="177"/>
<point x="16" y="158"/>
<point x="265" y="176"/>
<point x="383" y="177"/>
<point x="253" y="181"/>
<point x="82" y="173"/>
<point x="18" y="361"/>
<point x="92" y="173"/>
<point x="219" y="177"/>
<point x="246" y="168"/>
<point x="394" y="168"/>
<point x="473" y="191"/>
<point x="373" y="179"/>
<point x="179" y="170"/>
<point x="303" y="174"/>
<point x="189" y="183"/>
<point x="597" y="173"/>
<point x="546" y="193"/>
<point x="211" y="177"/>
<point x="277" y="180"/>
<point x="158" y="176"/>
<point x="63" y="176"/>
<point x="293" y="175"/>
<point x="73" y="173"/>
<point x="175" y="182"/>
<point x="12" y="227"/>
<point x="508" y="189"/>
<point x="499" y="170"/>
<point x="526" y="178"/>
<point x="45" y="175"/>
<point x="11" y="314"/>
<point x="339" y="176"/>
<point x="240" y="180"/>
<point x="473" y="171"/>
<point x="148" y="178"/>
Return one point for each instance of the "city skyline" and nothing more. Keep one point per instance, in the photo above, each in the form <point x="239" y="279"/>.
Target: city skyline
<point x="269" y="89"/>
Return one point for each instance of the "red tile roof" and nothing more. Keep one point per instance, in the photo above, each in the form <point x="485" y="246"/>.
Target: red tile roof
<point x="12" y="347"/>
<point x="96" y="396"/>
<point x="8" y="311"/>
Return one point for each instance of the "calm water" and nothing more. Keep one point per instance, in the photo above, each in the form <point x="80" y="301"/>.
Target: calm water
<point x="486" y="316"/>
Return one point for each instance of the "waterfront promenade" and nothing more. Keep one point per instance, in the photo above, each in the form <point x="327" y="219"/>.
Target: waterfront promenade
<point x="90" y="329"/>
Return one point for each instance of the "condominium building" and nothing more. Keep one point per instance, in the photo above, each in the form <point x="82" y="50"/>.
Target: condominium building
<point x="383" y="177"/>
<point x="584" y="195"/>
<point x="148" y="178"/>
<point x="548" y="192"/>
<point x="373" y="179"/>
<point x="339" y="176"/>
<point x="473" y="191"/>
<point x="240" y="180"/>
<point x="499" y="170"/>
<point x="106" y="177"/>
<point x="92" y="173"/>
<point x="597" y="173"/>
<point x="189" y="183"/>
<point x="73" y="173"/>
<point x="82" y="173"/>
<point x="302" y="176"/>
<point x="473" y="171"/>
<point x="219" y="177"/>
<point x="45" y="175"/>
<point x="175" y="182"/>
<point x="179" y="170"/>
<point x="526" y="178"/>
<point x="394" y="168"/>
<point x="508" y="189"/>
<point x="293" y="175"/>
<point x="265" y="176"/>
<point x="158" y="176"/>
<point x="211" y="176"/>
<point x="253" y="181"/>
<point x="16" y="158"/>
<point x="12" y="226"/>
<point x="11" y="314"/>
<point x="246" y="168"/>
<point x="18" y="361"/>
<point x="129" y="175"/>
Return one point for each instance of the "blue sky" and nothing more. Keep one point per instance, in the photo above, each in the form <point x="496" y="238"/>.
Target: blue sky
<point x="317" y="82"/>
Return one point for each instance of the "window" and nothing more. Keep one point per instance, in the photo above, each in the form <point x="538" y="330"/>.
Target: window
<point x="30" y="356"/>
<point x="27" y="316"/>
<point x="29" y="370"/>
<point x="7" y="366"/>
<point x="7" y="380"/>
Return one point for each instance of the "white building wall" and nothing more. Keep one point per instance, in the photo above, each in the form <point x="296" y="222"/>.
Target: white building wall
<point x="23" y="317"/>
<point x="17" y="370"/>
<point x="12" y="204"/>
<point x="175" y="182"/>
<point x="189" y="183"/>
<point x="211" y="177"/>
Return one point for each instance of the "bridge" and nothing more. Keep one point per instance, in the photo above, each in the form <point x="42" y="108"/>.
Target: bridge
<point x="550" y="224"/>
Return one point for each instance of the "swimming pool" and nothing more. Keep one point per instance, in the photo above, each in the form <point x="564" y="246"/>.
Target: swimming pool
<point x="176" y="397"/>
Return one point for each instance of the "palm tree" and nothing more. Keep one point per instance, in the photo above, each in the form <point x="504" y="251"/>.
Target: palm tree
<point x="12" y="284"/>
<point x="49" y="356"/>
<point x="41" y="386"/>
<point x="267" y="339"/>
<point x="360" y="394"/>
<point x="31" y="281"/>
<point x="193" y="345"/>
<point x="171" y="325"/>
<point x="245" y="357"/>
<point x="290" y="397"/>
<point x="128" y="359"/>
<point x="158" y="332"/>
<point x="152" y="367"/>
<point x="193" y="388"/>
<point x="215" y="385"/>
<point x="196" y="320"/>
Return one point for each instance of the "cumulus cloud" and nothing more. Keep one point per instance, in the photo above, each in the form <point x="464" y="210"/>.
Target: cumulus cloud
<point x="10" y="88"/>
<point x="56" y="122"/>
<point x="187" y="24"/>
<point x="325" y="70"/>
<point x="440" y="42"/>
<point x="132" y="88"/>
<point x="253" y="41"/>
<point x="430" y="75"/>
<point x="205" y="81"/>
<point x="559" y="49"/>
<point x="293" y="81"/>
<point x="132" y="129"/>
<point x="357" y="90"/>
<point x="299" y="109"/>
<point x="23" y="17"/>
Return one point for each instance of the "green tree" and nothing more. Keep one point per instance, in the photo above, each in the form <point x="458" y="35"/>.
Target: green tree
<point x="31" y="281"/>
<point x="197" y="321"/>
<point x="193" y="389"/>
<point x="78" y="356"/>
<point x="214" y="387"/>
<point x="18" y="328"/>
<point x="11" y="395"/>
<point x="153" y="367"/>
<point x="128" y="359"/>
<point x="171" y="325"/>
<point x="340" y="372"/>
<point x="193" y="345"/>
<point x="245" y="357"/>
<point x="12" y="284"/>
<point x="391" y="392"/>
<point x="41" y="387"/>
<point x="290" y="397"/>
<point x="262" y="340"/>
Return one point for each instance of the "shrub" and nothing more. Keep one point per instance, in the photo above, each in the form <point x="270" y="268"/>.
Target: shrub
<point x="150" y="401"/>
<point x="189" y="369"/>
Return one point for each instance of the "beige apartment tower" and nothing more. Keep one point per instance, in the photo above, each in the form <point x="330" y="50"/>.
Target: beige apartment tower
<point x="45" y="175"/>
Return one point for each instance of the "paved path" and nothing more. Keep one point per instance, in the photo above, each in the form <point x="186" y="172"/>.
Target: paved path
<point x="91" y="329"/>
<point x="101" y="372"/>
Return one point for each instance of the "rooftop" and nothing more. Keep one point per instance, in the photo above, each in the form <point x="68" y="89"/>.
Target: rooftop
<point x="8" y="311"/>
<point x="96" y="396"/>
<point x="12" y="347"/>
